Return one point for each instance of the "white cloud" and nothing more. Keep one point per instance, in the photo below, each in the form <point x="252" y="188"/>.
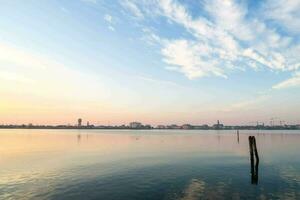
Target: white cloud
<point x="111" y="28"/>
<point x="108" y="18"/>
<point x="291" y="82"/>
<point x="285" y="13"/>
<point x="231" y="17"/>
<point x="226" y="38"/>
<point x="179" y="14"/>
<point x="191" y="59"/>
<point x="151" y="38"/>
<point x="133" y="8"/>
<point x="250" y="53"/>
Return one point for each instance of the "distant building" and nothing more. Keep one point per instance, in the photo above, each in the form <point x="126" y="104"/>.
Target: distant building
<point x="123" y="126"/>
<point x="161" y="126"/>
<point x="205" y="126"/>
<point x="229" y="127"/>
<point x="79" y="122"/>
<point x="218" y="125"/>
<point x="187" y="126"/>
<point x="201" y="127"/>
<point x="147" y="126"/>
<point x="88" y="124"/>
<point x="135" y="125"/>
<point x="173" y="126"/>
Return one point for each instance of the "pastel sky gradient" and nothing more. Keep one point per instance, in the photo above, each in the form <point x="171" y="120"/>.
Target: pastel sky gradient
<point x="154" y="61"/>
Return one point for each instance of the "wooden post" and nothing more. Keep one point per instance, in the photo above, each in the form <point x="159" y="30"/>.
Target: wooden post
<point x="256" y="161"/>
<point x="253" y="151"/>
<point x="251" y="159"/>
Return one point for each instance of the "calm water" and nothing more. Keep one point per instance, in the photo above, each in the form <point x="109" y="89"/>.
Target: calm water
<point x="129" y="165"/>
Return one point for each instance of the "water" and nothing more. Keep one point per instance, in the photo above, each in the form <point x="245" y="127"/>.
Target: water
<point x="129" y="165"/>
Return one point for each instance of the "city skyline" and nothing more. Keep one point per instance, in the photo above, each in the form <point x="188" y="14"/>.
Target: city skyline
<point x="81" y="123"/>
<point x="158" y="61"/>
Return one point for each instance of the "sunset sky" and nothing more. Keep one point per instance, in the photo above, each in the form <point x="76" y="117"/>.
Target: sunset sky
<point x="154" y="61"/>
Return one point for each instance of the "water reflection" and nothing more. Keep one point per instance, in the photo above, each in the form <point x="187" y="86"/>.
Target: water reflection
<point x="168" y="165"/>
<point x="78" y="138"/>
<point x="194" y="190"/>
<point x="254" y="161"/>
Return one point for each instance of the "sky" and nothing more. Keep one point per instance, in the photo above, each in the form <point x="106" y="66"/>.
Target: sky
<point x="155" y="61"/>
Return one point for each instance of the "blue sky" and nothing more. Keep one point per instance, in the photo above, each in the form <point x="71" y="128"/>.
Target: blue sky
<point x="155" y="61"/>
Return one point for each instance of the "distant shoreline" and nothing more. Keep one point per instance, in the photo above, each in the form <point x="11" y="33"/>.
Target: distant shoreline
<point x="140" y="126"/>
<point x="74" y="128"/>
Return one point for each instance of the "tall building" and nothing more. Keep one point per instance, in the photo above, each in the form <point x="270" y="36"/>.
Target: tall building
<point x="218" y="125"/>
<point x="79" y="122"/>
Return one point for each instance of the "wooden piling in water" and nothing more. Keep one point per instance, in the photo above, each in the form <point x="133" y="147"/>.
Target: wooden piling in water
<point x="253" y="151"/>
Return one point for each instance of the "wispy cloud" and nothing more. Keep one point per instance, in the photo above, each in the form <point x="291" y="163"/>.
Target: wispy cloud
<point x="133" y="8"/>
<point x="230" y="16"/>
<point x="187" y="56"/>
<point x="152" y="38"/>
<point x="110" y="20"/>
<point x="227" y="37"/>
<point x="285" y="13"/>
<point x="291" y="82"/>
<point x="111" y="28"/>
